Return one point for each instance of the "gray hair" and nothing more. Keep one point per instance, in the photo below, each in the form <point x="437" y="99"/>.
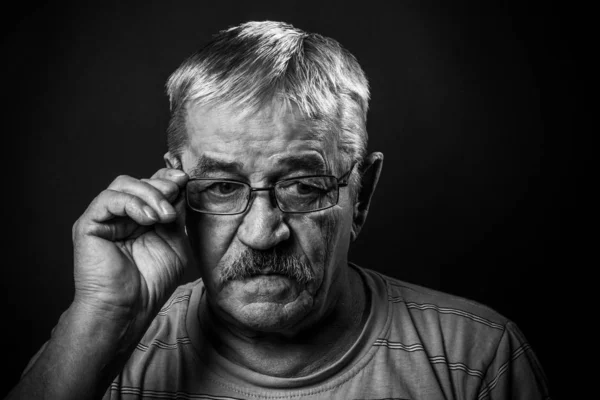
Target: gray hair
<point x="251" y="65"/>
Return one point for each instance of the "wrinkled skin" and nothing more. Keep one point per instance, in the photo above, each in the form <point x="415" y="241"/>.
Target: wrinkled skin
<point x="262" y="143"/>
<point x="131" y="248"/>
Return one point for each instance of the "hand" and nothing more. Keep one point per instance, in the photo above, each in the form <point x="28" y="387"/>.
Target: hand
<point x="130" y="251"/>
<point x="130" y="246"/>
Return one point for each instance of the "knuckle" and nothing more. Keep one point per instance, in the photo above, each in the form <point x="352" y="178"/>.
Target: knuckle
<point x="121" y="179"/>
<point x="111" y="198"/>
<point x="170" y="186"/>
<point x="79" y="228"/>
<point x="157" y="184"/>
<point x="133" y="203"/>
<point x="104" y="197"/>
<point x="75" y="229"/>
<point x="95" y="202"/>
<point x="148" y="183"/>
<point x="162" y="172"/>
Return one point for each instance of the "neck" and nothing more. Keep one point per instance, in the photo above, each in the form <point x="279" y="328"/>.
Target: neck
<point x="305" y="352"/>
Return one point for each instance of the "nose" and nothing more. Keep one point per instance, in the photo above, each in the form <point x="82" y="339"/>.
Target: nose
<point x="263" y="225"/>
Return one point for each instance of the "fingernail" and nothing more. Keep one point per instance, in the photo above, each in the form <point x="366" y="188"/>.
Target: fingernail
<point x="150" y="213"/>
<point x="166" y="208"/>
<point x="178" y="173"/>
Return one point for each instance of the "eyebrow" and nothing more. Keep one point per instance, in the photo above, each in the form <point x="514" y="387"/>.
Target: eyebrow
<point x="206" y="165"/>
<point x="307" y="162"/>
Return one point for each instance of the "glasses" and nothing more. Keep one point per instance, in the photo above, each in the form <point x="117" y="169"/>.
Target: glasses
<point x="302" y="194"/>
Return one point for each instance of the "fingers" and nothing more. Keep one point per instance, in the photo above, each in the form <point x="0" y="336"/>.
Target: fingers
<point x="158" y="192"/>
<point x="174" y="175"/>
<point x="168" y="189"/>
<point x="111" y="203"/>
<point x="178" y="177"/>
<point x="141" y="202"/>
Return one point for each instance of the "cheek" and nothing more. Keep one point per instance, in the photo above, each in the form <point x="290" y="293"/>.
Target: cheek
<point x="317" y="236"/>
<point x="210" y="237"/>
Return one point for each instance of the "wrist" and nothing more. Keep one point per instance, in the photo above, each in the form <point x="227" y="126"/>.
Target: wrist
<point x="112" y="331"/>
<point x="92" y="311"/>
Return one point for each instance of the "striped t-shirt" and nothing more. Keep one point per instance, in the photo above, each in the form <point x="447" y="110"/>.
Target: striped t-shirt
<point x="417" y="343"/>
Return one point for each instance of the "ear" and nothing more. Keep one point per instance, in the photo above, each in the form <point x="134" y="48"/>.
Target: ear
<point x="369" y="176"/>
<point x="171" y="161"/>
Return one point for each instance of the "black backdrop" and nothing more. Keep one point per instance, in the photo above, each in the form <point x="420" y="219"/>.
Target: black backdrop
<point x="472" y="106"/>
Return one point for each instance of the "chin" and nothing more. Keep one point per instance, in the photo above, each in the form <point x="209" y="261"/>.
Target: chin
<point x="266" y="303"/>
<point x="271" y="316"/>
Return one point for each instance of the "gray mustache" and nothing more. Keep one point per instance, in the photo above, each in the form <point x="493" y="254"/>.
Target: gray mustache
<point x="251" y="262"/>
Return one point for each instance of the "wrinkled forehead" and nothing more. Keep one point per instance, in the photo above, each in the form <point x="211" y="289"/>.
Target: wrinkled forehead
<point x="275" y="136"/>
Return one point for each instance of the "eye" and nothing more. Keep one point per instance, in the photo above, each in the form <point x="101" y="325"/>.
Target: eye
<point x="223" y="188"/>
<point x="305" y="189"/>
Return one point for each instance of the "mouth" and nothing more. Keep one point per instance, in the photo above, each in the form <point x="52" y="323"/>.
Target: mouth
<point x="267" y="287"/>
<point x="269" y="271"/>
<point x="267" y="274"/>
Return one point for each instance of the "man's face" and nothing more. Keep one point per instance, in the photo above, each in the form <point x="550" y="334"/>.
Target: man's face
<point x="261" y="149"/>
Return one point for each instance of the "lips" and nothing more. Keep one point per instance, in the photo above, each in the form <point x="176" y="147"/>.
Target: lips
<point x="269" y="271"/>
<point x="269" y="287"/>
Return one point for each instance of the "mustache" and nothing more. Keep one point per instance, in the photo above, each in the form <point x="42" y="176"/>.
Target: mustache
<point x="251" y="262"/>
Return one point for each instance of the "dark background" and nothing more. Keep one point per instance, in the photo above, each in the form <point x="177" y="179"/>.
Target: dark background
<point x="475" y="108"/>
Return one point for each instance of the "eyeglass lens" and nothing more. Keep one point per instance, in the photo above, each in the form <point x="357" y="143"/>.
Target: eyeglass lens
<point x="293" y="195"/>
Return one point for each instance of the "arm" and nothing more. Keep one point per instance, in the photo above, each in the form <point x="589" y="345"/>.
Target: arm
<point x="80" y="360"/>
<point x="130" y="251"/>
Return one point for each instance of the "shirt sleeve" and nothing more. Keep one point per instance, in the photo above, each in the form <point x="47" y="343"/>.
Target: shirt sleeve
<point x="515" y="372"/>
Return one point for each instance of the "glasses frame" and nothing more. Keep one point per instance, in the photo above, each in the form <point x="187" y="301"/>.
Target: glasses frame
<point x="342" y="181"/>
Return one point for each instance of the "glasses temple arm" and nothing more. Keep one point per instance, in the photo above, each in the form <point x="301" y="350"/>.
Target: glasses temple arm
<point x="343" y="180"/>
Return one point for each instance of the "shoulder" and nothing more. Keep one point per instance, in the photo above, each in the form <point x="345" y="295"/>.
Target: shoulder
<point x="461" y="342"/>
<point x="450" y="329"/>
<point x="417" y="297"/>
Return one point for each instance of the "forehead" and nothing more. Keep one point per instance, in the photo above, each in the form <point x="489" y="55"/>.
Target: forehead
<point x="274" y="137"/>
